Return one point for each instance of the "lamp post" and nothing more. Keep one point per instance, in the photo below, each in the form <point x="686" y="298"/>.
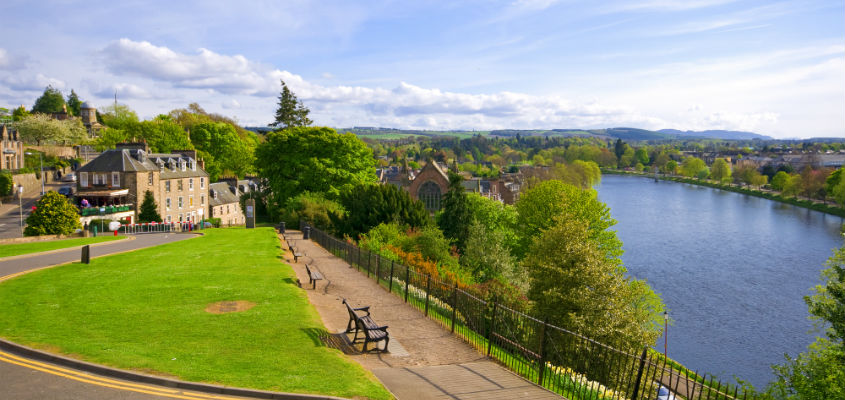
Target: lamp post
<point x="41" y="165"/>
<point x="665" y="333"/>
<point x="20" y="205"/>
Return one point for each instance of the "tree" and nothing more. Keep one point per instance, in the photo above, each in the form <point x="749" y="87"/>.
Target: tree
<point x="161" y="135"/>
<point x="42" y="129"/>
<point x="119" y="116"/>
<point x="539" y="206"/>
<point x="149" y="209"/>
<point x="835" y="186"/>
<point x="641" y="156"/>
<point x="108" y="138"/>
<point x="53" y="215"/>
<point x="779" y="180"/>
<point x="818" y="373"/>
<point x="671" y="167"/>
<point x="368" y="205"/>
<point x="720" y="170"/>
<point x="575" y="286"/>
<point x="51" y="101"/>
<point x="692" y="167"/>
<point x="229" y="153"/>
<point x="317" y="160"/>
<point x="290" y="112"/>
<point x="19" y="114"/>
<point x="6" y="183"/>
<point x="487" y="256"/>
<point x="73" y="103"/>
<point x="455" y="218"/>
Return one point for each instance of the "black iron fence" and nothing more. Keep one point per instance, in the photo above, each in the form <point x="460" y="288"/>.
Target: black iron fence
<point x="555" y="358"/>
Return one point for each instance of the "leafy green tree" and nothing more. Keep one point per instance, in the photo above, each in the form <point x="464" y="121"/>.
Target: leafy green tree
<point x="73" y="103"/>
<point x="227" y="150"/>
<point x="53" y="215"/>
<point x="575" y="286"/>
<point x="487" y="255"/>
<point x="108" y="138"/>
<point x="720" y="170"/>
<point x="671" y="167"/>
<point x="149" y="209"/>
<point x="583" y="174"/>
<point x="641" y="156"/>
<point x="41" y="129"/>
<point x="317" y="160"/>
<point x="779" y="180"/>
<point x="19" y="114"/>
<point x="119" y="116"/>
<point x="368" y="205"/>
<point x="455" y="218"/>
<point x="290" y="112"/>
<point x="494" y="216"/>
<point x="161" y="135"/>
<point x="539" y="206"/>
<point x="312" y="207"/>
<point x="692" y="167"/>
<point x="51" y="101"/>
<point x="818" y="373"/>
<point x="6" y="183"/>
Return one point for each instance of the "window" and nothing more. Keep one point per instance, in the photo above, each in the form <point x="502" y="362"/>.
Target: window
<point x="190" y="201"/>
<point x="83" y="179"/>
<point x="115" y="179"/>
<point x="179" y="185"/>
<point x="180" y="217"/>
<point x="95" y="179"/>
<point x="168" y="218"/>
<point x="202" y="200"/>
<point x="190" y="183"/>
<point x="167" y="203"/>
<point x="429" y="194"/>
<point x="150" y="178"/>
<point x="182" y="164"/>
<point x="179" y="202"/>
<point x="202" y="183"/>
<point x="166" y="186"/>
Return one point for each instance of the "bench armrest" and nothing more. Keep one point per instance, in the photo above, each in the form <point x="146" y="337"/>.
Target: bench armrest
<point x="367" y="309"/>
<point x="381" y="328"/>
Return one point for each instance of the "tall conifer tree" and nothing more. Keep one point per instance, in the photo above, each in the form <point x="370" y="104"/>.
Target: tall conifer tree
<point x="149" y="209"/>
<point x="291" y="112"/>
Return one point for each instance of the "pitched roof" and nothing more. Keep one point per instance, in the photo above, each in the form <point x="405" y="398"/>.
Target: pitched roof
<point x="221" y="193"/>
<point x="117" y="160"/>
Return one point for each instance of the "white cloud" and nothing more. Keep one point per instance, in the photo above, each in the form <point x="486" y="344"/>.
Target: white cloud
<point x="124" y="91"/>
<point x="35" y="82"/>
<point x="230" y="104"/>
<point x="667" y="5"/>
<point x="10" y="62"/>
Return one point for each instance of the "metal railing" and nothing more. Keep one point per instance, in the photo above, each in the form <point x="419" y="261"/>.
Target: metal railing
<point x="560" y="360"/>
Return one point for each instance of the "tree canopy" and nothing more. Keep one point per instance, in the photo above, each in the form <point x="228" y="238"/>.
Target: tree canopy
<point x="456" y="217"/>
<point x="51" y="101"/>
<point x="73" y="103"/>
<point x="311" y="159"/>
<point x="369" y="205"/>
<point x="42" y="129"/>
<point x="53" y="215"/>
<point x="228" y="153"/>
<point x="149" y="209"/>
<point x="290" y="112"/>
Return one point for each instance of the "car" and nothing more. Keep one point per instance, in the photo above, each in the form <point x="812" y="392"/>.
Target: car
<point x="66" y="191"/>
<point x="69" y="177"/>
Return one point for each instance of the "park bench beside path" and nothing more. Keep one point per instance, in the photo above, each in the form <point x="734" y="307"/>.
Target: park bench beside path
<point x="423" y="361"/>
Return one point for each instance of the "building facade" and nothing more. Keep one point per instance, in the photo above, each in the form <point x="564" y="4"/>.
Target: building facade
<point x="118" y="179"/>
<point x="224" y="203"/>
<point x="12" y="148"/>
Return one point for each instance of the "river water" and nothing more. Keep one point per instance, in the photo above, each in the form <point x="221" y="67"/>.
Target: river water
<point x="732" y="269"/>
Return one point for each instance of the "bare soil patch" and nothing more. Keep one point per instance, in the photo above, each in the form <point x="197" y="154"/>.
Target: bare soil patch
<point x="223" y="307"/>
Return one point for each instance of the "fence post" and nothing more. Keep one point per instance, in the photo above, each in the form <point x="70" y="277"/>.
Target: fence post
<point x="542" y="352"/>
<point x="407" y="279"/>
<point x="369" y="256"/>
<point x="378" y="269"/>
<point x="359" y="259"/>
<point x="490" y="328"/>
<point x="454" y="305"/>
<point x="639" y="374"/>
<point x="427" y="292"/>
<point x="390" y="287"/>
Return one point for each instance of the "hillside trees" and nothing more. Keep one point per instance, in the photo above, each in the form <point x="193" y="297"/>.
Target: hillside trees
<point x="225" y="152"/>
<point x="694" y="167"/>
<point x="41" y="129"/>
<point x="368" y="205"/>
<point x="318" y="160"/>
<point x="720" y="170"/>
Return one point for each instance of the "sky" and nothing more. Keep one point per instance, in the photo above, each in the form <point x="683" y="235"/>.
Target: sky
<point x="772" y="67"/>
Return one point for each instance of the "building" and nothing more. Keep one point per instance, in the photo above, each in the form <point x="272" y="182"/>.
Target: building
<point x="89" y="119"/>
<point x="224" y="203"/>
<point x="117" y="180"/>
<point x="429" y="186"/>
<point x="12" y="148"/>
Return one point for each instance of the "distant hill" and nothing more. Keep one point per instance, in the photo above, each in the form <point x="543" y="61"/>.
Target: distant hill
<point x="717" y="134"/>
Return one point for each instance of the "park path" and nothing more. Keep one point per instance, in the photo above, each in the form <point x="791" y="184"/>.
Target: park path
<point x="424" y="360"/>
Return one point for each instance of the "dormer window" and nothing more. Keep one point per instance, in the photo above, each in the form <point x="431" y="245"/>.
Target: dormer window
<point x="214" y="193"/>
<point x="182" y="164"/>
<point x="193" y="165"/>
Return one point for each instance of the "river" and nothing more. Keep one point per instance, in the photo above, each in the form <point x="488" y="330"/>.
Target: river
<point x="732" y="269"/>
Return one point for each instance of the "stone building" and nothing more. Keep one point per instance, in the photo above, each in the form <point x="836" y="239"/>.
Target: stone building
<point x="224" y="203"/>
<point x="88" y="114"/>
<point x="429" y="186"/>
<point x="12" y="148"/>
<point x="117" y="180"/>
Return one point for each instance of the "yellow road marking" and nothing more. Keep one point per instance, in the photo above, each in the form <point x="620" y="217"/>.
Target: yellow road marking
<point x="104" y="382"/>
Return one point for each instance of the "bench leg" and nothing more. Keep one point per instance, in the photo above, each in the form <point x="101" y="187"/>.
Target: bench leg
<point x="314" y="284"/>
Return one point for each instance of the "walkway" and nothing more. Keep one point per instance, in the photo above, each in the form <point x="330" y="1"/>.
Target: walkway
<point x="425" y="361"/>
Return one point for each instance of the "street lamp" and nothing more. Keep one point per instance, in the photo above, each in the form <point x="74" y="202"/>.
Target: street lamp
<point x="20" y="205"/>
<point x="41" y="164"/>
<point x="665" y="333"/>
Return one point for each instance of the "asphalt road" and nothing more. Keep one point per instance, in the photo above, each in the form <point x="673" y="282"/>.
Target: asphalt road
<point x="25" y="379"/>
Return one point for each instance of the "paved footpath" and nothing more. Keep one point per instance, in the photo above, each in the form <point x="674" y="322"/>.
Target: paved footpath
<point x="424" y="360"/>
<point x="26" y="379"/>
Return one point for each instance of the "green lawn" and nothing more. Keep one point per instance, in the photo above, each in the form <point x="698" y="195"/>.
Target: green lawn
<point x="145" y="311"/>
<point x="16" y="249"/>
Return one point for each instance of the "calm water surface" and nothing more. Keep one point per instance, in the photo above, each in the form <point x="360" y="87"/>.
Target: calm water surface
<point x="732" y="269"/>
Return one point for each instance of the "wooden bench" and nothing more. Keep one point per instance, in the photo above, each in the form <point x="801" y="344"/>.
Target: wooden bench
<point x="313" y="277"/>
<point x="372" y="331"/>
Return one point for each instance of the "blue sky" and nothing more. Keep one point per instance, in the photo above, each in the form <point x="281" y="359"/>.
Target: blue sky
<point x="776" y="68"/>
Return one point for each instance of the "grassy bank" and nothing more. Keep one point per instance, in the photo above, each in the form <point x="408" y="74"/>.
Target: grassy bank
<point x="825" y="208"/>
<point x="145" y="311"/>
<point x="16" y="249"/>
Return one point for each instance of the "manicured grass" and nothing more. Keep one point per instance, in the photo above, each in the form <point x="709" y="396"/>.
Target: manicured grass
<point x="16" y="249"/>
<point x="145" y="311"/>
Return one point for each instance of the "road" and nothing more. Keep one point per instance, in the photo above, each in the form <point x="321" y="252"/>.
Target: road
<point x="26" y="379"/>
